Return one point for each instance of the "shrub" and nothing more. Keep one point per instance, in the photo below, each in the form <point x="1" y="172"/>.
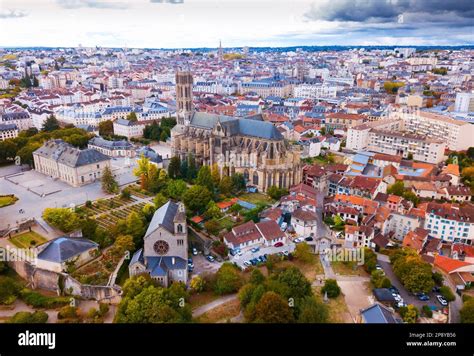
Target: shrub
<point x="24" y="317"/>
<point x="9" y="290"/>
<point x="427" y="311"/>
<point x="447" y="293"/>
<point x="68" y="312"/>
<point x="38" y="300"/>
<point x="331" y="288"/>
<point x="228" y="279"/>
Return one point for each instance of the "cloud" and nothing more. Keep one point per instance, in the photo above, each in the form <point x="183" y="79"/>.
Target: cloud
<point x="12" y="14"/>
<point x="174" y="2"/>
<point x="94" y="4"/>
<point x="380" y="11"/>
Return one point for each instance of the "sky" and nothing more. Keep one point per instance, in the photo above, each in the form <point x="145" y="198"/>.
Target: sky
<point x="237" y="23"/>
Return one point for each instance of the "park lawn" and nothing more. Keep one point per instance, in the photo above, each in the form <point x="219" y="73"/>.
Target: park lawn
<point x="198" y="299"/>
<point x="338" y="311"/>
<point x="257" y="198"/>
<point x="6" y="200"/>
<point x="25" y="239"/>
<point x="222" y="313"/>
<point x="347" y="269"/>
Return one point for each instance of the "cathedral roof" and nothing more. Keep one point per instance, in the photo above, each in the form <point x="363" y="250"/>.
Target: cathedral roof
<point x="250" y="126"/>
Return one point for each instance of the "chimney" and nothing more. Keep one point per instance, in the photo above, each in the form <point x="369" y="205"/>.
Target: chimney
<point x="173" y="260"/>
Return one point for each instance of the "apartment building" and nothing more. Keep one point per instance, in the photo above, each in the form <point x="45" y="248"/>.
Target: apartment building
<point x="358" y="138"/>
<point x="314" y="91"/>
<point x="450" y="222"/>
<point x="456" y="134"/>
<point x="464" y="102"/>
<point x="130" y="129"/>
<point x="343" y="121"/>
<point x="267" y="87"/>
<point x="406" y="145"/>
<point x="112" y="148"/>
<point x="8" y="131"/>
<point x="22" y="120"/>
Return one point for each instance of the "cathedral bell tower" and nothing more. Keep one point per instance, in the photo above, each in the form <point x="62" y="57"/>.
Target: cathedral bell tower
<point x="184" y="96"/>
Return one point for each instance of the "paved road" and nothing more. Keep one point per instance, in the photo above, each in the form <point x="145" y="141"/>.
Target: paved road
<point x="408" y="297"/>
<point x="206" y="307"/>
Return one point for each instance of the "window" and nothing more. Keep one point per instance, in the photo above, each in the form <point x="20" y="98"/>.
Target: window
<point x="180" y="228"/>
<point x="180" y="242"/>
<point x="98" y="166"/>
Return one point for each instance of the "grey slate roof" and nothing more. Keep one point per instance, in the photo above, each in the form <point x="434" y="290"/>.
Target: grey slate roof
<point x="111" y="145"/>
<point x="378" y="314"/>
<point x="163" y="217"/>
<point x="7" y="127"/>
<point x="63" y="248"/>
<point x="69" y="155"/>
<point x="249" y="126"/>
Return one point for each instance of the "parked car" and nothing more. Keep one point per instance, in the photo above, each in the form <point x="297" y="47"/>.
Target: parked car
<point x="286" y="253"/>
<point x="441" y="300"/>
<point x="283" y="226"/>
<point x="190" y="260"/>
<point x="423" y="297"/>
<point x="190" y="269"/>
<point x="394" y="290"/>
<point x="195" y="251"/>
<point x="309" y="238"/>
<point x="191" y="265"/>
<point x="278" y="244"/>
<point x="255" y="249"/>
<point x="254" y="261"/>
<point x="436" y="289"/>
<point x="232" y="252"/>
<point x="400" y="304"/>
<point x="378" y="268"/>
<point x="247" y="263"/>
<point x="210" y="258"/>
<point x="298" y="240"/>
<point x="239" y="253"/>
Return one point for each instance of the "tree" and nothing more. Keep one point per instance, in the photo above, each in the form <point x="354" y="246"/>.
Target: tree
<point x="447" y="293"/>
<point x="148" y="211"/>
<point x="197" y="284"/>
<point x="212" y="227"/>
<point x="392" y="87"/>
<point x="379" y="280"/>
<point x="132" y="116"/>
<point x="157" y="179"/>
<point x="109" y="184"/>
<point x="245" y="294"/>
<point x="216" y="176"/>
<point x="64" y="219"/>
<point x="204" y="178"/>
<point x="276" y="193"/>
<point x="176" y="189"/>
<point x="69" y="312"/>
<point x="225" y="186"/>
<point x="135" y="227"/>
<point x="397" y="188"/>
<point x="212" y="211"/>
<point x="303" y="253"/>
<point x="438" y="278"/>
<point x="142" y="171"/>
<point x="122" y="244"/>
<point x="370" y="260"/>
<point x="196" y="198"/>
<point x="238" y="182"/>
<point x="106" y="128"/>
<point x="331" y="288"/>
<point x="312" y="311"/>
<point x="154" y="304"/>
<point x="26" y="152"/>
<point x="9" y="289"/>
<point x="159" y="200"/>
<point x="77" y="140"/>
<point x="257" y="277"/>
<point x="228" y="279"/>
<point x="298" y="286"/>
<point x="414" y="273"/>
<point x="272" y="308"/>
<point x="467" y="311"/>
<point x="409" y="314"/>
<point x="50" y="124"/>
<point x="174" y="168"/>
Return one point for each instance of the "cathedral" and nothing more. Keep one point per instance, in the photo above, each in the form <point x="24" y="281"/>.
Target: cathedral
<point x="248" y="145"/>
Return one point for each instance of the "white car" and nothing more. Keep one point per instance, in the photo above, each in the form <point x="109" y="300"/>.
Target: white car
<point x="286" y="253"/>
<point x="195" y="251"/>
<point x="283" y="226"/>
<point x="240" y="253"/>
<point x="247" y="263"/>
<point x="441" y="300"/>
<point x="298" y="240"/>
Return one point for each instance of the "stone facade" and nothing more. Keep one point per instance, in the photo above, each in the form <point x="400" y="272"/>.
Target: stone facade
<point x="250" y="146"/>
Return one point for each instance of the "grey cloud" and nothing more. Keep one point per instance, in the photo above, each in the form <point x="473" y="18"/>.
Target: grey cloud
<point x="95" y="4"/>
<point x="12" y="14"/>
<point x="388" y="10"/>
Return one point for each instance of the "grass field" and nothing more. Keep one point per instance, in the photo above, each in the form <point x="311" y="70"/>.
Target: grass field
<point x="338" y="311"/>
<point x="348" y="268"/>
<point x="222" y="313"/>
<point x="6" y="200"/>
<point x="309" y="270"/>
<point x="27" y="240"/>
<point x="256" y="198"/>
<point x="198" y="299"/>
